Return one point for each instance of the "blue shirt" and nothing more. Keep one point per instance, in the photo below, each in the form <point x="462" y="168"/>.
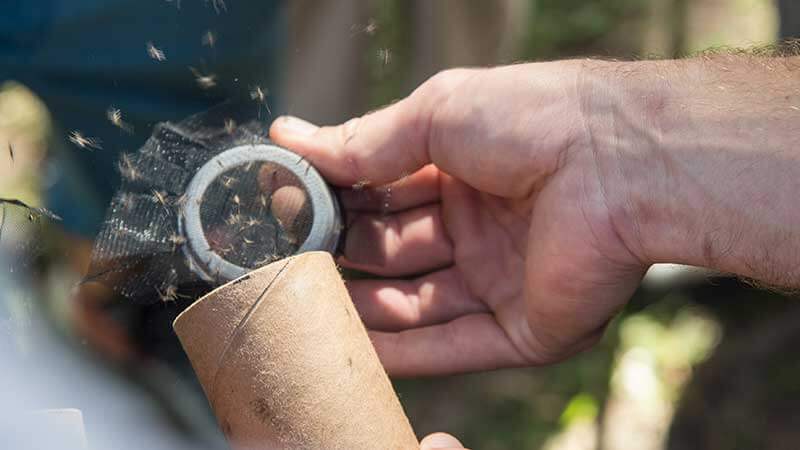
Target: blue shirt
<point x="83" y="56"/>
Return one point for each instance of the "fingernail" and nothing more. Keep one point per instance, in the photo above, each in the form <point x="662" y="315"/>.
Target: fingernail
<point x="296" y="126"/>
<point x="440" y="440"/>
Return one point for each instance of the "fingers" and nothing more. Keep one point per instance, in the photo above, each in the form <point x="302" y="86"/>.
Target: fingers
<point x="419" y="188"/>
<point x="400" y="304"/>
<point x="468" y="344"/>
<point x="398" y="244"/>
<point x="440" y="441"/>
<point x="377" y="148"/>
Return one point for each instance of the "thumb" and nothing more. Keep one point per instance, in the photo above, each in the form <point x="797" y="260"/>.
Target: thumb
<point x="440" y="441"/>
<point x="376" y="148"/>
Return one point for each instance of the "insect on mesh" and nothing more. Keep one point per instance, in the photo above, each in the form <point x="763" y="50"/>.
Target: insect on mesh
<point x="251" y="213"/>
<point x="255" y="213"/>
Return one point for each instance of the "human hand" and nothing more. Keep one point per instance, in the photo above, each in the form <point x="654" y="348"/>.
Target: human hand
<point x="539" y="194"/>
<point x="496" y="191"/>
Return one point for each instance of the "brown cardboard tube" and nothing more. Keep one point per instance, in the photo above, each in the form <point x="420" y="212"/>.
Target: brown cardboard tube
<point x="286" y="363"/>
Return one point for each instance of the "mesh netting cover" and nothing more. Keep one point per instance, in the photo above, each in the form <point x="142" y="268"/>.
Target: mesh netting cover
<point x="251" y="213"/>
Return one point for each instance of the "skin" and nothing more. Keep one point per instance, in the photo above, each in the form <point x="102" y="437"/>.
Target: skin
<point x="440" y="441"/>
<point x="527" y="201"/>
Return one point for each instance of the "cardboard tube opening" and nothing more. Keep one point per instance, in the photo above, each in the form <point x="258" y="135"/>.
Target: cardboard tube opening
<point x="286" y="362"/>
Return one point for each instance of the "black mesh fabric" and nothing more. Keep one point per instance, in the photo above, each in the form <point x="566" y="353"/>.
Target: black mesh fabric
<point x="239" y="221"/>
<point x="251" y="214"/>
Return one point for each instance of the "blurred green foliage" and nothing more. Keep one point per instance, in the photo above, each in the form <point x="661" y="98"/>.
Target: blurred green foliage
<point x="512" y="409"/>
<point x="582" y="407"/>
<point x="560" y="28"/>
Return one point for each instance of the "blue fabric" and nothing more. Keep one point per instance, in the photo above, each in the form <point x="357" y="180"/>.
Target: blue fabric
<point x="81" y="56"/>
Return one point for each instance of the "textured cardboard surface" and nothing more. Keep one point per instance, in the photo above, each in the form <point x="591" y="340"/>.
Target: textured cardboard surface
<point x="287" y="364"/>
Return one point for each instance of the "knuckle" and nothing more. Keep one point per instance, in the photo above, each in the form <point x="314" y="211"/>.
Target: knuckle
<point x="348" y="131"/>
<point x="444" y="81"/>
<point x="437" y="96"/>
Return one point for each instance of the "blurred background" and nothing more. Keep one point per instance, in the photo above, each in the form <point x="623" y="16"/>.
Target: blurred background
<point x="696" y="361"/>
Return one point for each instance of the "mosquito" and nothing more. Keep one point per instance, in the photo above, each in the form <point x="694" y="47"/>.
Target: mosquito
<point x="251" y="222"/>
<point x="234" y="219"/>
<point x="238" y="203"/>
<point x="209" y="39"/>
<point x="205" y="81"/>
<point x="126" y="200"/>
<point x="260" y="96"/>
<point x="176" y="240"/>
<point x="117" y="233"/>
<point x="230" y="126"/>
<point x="160" y="197"/>
<point x="181" y="200"/>
<point x="155" y="52"/>
<point x="214" y="275"/>
<point x="11" y="151"/>
<point x="369" y="29"/>
<point x="219" y="5"/>
<point x="114" y="116"/>
<point x="127" y="169"/>
<point x="263" y="200"/>
<point x="89" y="143"/>
<point x="266" y="260"/>
<point x="224" y="252"/>
<point x="170" y="294"/>
<point x="385" y="56"/>
<point x="228" y="181"/>
<point x="360" y="185"/>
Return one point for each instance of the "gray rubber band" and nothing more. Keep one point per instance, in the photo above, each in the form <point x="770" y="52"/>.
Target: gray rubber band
<point x="326" y="221"/>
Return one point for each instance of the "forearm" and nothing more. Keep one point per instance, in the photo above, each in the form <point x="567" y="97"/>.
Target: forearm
<point x="708" y="153"/>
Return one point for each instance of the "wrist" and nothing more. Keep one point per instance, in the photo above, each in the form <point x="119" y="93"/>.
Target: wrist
<point x="702" y="157"/>
<point x="623" y="107"/>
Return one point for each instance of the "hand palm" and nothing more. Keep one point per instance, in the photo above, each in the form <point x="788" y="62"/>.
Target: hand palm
<point x="523" y="260"/>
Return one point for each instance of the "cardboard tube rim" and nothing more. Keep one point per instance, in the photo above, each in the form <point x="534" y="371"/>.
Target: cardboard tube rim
<point x="214" y="292"/>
